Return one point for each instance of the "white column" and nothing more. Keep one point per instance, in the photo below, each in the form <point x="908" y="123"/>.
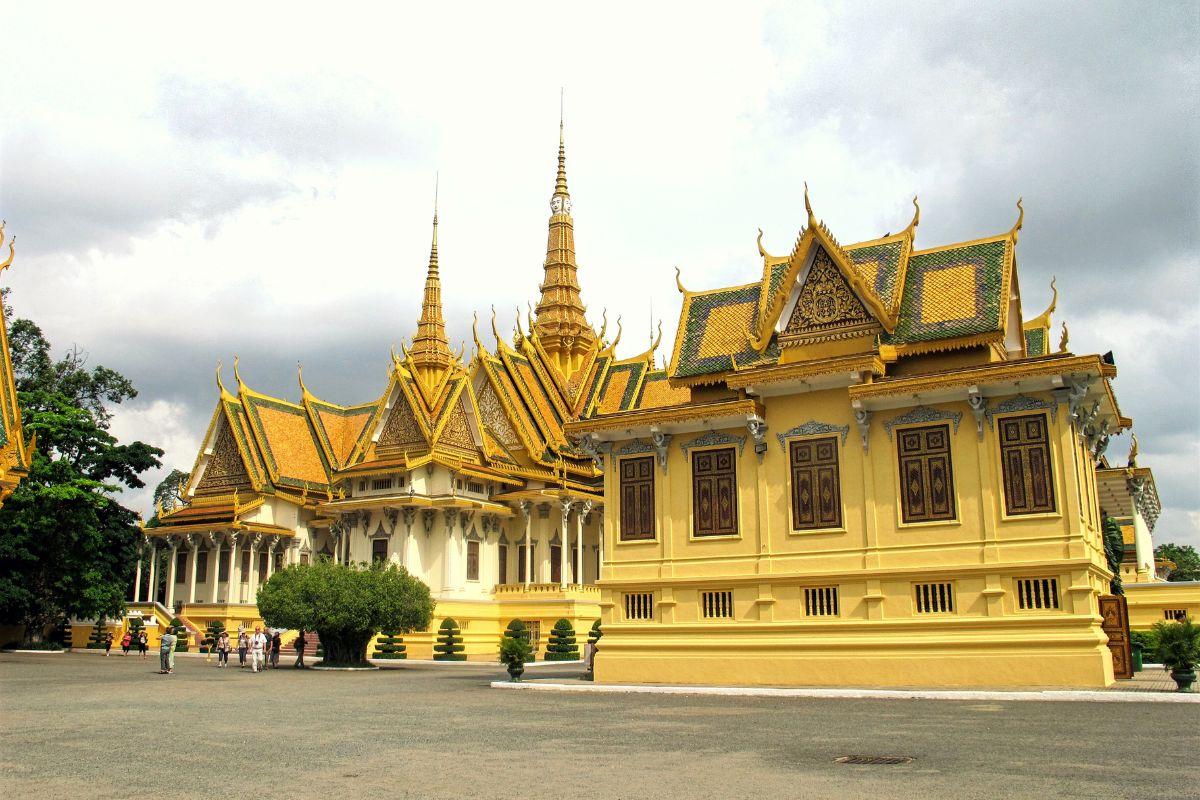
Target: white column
<point x="271" y="556"/>
<point x="449" y="551"/>
<point x="235" y="569"/>
<point x="600" y="541"/>
<point x="584" y="508"/>
<point x="137" y="579"/>
<point x="563" y="549"/>
<point x="171" y="576"/>
<point x="252" y="579"/>
<point x="153" y="584"/>
<point x="527" y="509"/>
<point x="215" y="571"/>
<point x="194" y="544"/>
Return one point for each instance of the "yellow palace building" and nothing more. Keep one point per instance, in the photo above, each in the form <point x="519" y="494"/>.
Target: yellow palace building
<point x="460" y="472"/>
<point x="864" y="466"/>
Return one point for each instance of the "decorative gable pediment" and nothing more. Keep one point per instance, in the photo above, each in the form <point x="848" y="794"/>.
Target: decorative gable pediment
<point x="826" y="306"/>
<point x="224" y="471"/>
<point x="401" y="428"/>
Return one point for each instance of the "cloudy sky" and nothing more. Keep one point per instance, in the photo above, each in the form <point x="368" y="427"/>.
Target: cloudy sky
<point x="258" y="180"/>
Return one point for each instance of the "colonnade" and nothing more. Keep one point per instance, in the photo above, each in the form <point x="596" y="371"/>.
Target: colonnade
<point x="211" y="546"/>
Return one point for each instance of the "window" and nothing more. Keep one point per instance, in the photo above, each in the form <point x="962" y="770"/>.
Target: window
<point x="401" y="480"/>
<point x="379" y="550"/>
<point x="639" y="606"/>
<point x="1175" y="614"/>
<point x="381" y="483"/>
<point x="934" y="598"/>
<point x="245" y="565"/>
<point x="502" y="563"/>
<point x="521" y="567"/>
<point x="278" y="561"/>
<point x="926" y="480"/>
<point x="477" y="488"/>
<point x="816" y="493"/>
<point x="362" y="486"/>
<point x="181" y="566"/>
<point x="821" y="601"/>
<point x="716" y="605"/>
<point x="1025" y="460"/>
<point x="472" y="561"/>
<point x="637" y="499"/>
<point x="555" y="563"/>
<point x="458" y="485"/>
<point x="1037" y="594"/>
<point x="304" y="558"/>
<point x="201" y="565"/>
<point x="262" y="565"/>
<point x="714" y="493"/>
<point x="574" y="558"/>
<point x="222" y="567"/>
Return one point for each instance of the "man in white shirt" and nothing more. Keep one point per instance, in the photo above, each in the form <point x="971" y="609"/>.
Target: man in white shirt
<point x="258" y="649"/>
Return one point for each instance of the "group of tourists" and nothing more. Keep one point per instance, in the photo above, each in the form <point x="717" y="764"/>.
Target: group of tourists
<point x="262" y="649"/>
<point x="143" y="643"/>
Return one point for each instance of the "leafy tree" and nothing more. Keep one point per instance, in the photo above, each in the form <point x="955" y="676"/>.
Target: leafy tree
<point x="68" y="547"/>
<point x="169" y="494"/>
<point x="345" y="605"/>
<point x="1114" y="551"/>
<point x="1184" y="557"/>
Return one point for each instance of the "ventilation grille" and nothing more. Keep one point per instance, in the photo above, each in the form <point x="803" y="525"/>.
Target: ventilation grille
<point x="821" y="601"/>
<point x="639" y="606"/>
<point x="934" y="598"/>
<point x="1174" y="614"/>
<point x="716" y="605"/>
<point x="1037" y="594"/>
<point x="381" y="483"/>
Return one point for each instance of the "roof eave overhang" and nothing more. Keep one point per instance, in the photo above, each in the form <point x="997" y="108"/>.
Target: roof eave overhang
<point x="673" y="419"/>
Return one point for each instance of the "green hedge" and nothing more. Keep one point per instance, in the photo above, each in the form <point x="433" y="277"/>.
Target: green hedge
<point x="449" y="646"/>
<point x="562" y="645"/>
<point x="390" y="646"/>
<point x="595" y="633"/>
<point x="517" y="629"/>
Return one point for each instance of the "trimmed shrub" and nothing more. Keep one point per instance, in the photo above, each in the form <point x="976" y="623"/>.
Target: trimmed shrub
<point x="390" y="645"/>
<point x="517" y="630"/>
<point x="562" y="645"/>
<point x="96" y="640"/>
<point x="180" y="630"/>
<point x="209" y="643"/>
<point x="595" y="633"/>
<point x="449" y="646"/>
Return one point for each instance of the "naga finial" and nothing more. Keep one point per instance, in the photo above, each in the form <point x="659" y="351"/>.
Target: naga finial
<point x="1133" y="452"/>
<point x="812" y="220"/>
<point x="520" y="333"/>
<point x="1054" y="289"/>
<point x="616" y="341"/>
<point x="1020" y="221"/>
<point x="300" y="374"/>
<point x="12" y="244"/>
<point x="916" y="220"/>
<point x="220" y="385"/>
<point x="475" y="331"/>
<point x="603" y="323"/>
<point x="1066" y="336"/>
<point x="679" y="283"/>
<point x="495" y="330"/>
<point x="761" y="251"/>
<point x="657" y="342"/>
<point x="237" y="374"/>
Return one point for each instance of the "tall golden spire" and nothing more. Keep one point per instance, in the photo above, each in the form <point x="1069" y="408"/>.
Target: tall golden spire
<point x="559" y="321"/>
<point x="431" y="350"/>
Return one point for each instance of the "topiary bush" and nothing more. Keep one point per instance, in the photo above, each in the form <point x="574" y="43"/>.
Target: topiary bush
<point x="595" y="633"/>
<point x="449" y="646"/>
<point x="517" y="630"/>
<point x="180" y="630"/>
<point x="96" y="640"/>
<point x="390" y="645"/>
<point x="562" y="645"/>
<point x="209" y="643"/>
<point x="61" y="635"/>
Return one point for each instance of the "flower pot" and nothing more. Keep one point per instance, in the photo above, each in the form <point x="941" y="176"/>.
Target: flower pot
<point x="1184" y="678"/>
<point x="516" y="668"/>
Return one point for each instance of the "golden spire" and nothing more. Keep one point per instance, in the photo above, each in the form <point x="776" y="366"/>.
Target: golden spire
<point x="560" y="323"/>
<point x="431" y="349"/>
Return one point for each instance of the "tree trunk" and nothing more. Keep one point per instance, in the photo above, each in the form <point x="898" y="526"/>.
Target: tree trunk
<point x="345" y="649"/>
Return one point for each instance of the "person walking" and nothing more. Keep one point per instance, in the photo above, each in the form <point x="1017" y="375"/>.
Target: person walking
<point x="126" y="640"/>
<point x="143" y="643"/>
<point x="276" y="646"/>
<point x="166" y="653"/>
<point x="300" y="643"/>
<point x="108" y="640"/>
<point x="258" y="647"/>
<point x="224" y="645"/>
<point x="243" y="646"/>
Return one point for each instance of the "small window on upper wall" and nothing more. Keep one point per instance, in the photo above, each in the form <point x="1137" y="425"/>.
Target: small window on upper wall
<point x="472" y="561"/>
<point x="379" y="549"/>
<point x="816" y="484"/>
<point x="1025" y="461"/>
<point x="714" y="492"/>
<point x="926" y="474"/>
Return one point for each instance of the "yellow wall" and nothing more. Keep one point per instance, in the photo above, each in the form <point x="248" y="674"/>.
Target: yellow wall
<point x="874" y="560"/>
<point x="1149" y="601"/>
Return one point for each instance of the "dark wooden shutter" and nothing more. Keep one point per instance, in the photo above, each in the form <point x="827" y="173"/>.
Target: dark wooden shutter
<point x="1025" y="461"/>
<point x="379" y="549"/>
<point x="714" y="493"/>
<point x="816" y="484"/>
<point x="502" y="573"/>
<point x="926" y="474"/>
<point x="637" y="498"/>
<point x="555" y="563"/>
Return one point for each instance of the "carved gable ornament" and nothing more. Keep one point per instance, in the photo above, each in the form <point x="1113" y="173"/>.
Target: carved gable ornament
<point x="225" y="470"/>
<point x="826" y="308"/>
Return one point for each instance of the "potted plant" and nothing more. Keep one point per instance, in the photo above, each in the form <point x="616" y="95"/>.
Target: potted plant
<point x="514" y="652"/>
<point x="1179" y="650"/>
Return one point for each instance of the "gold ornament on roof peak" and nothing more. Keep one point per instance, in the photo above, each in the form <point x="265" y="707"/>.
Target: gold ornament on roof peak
<point x="430" y="347"/>
<point x="1020" y="221"/>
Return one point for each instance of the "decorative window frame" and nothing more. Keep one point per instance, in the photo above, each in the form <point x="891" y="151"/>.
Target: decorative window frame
<point x="785" y="441"/>
<point x="617" y="540"/>
<point x="899" y="478"/>
<point x="1021" y="403"/>
<point x="1055" y="474"/>
<point x="922" y="415"/>
<point x="712" y="439"/>
<point x="694" y="446"/>
<point x="810" y="429"/>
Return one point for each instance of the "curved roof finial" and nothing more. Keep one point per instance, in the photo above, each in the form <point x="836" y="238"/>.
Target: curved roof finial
<point x="520" y="333"/>
<point x="475" y="331"/>
<point x="657" y="342"/>
<point x="603" y="323"/>
<point x="616" y="341"/>
<point x="495" y="330"/>
<point x="220" y="385"/>
<point x="1020" y="221"/>
<point x="300" y="373"/>
<point x="761" y="251"/>
<point x="812" y="220"/>
<point x="1065" y="339"/>
<point x="237" y="374"/>
<point x="12" y="243"/>
<point x="916" y="220"/>
<point x="1054" y="299"/>
<point x="529" y="313"/>
<point x="679" y="283"/>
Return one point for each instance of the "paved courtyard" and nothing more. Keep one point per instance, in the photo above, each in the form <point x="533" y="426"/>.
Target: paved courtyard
<point x="81" y="725"/>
